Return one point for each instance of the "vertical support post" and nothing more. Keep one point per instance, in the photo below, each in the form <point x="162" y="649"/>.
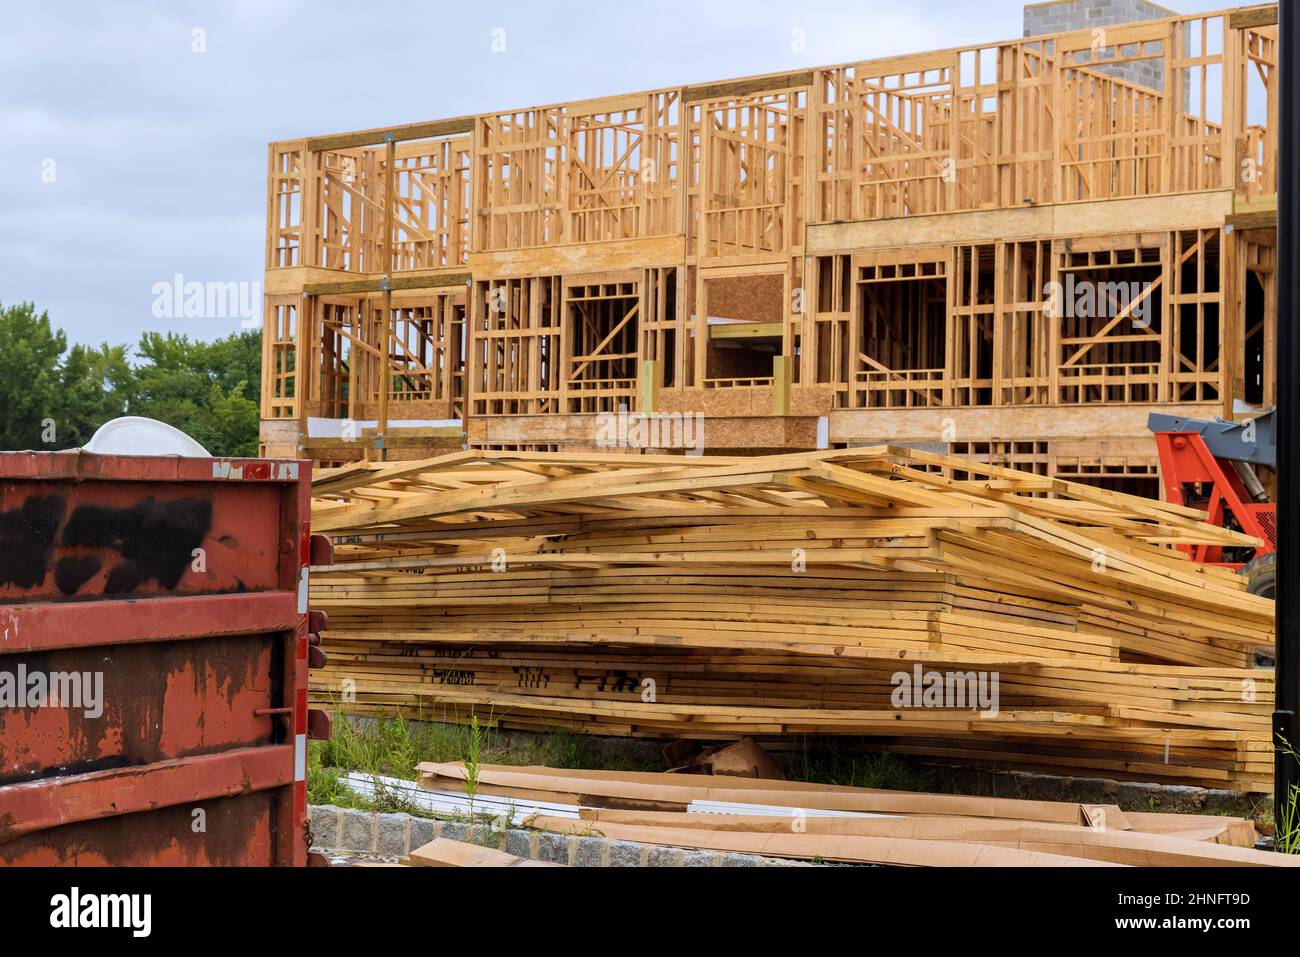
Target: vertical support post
<point x="701" y="341"/>
<point x="1286" y="775"/>
<point x="1054" y="322"/>
<point x="306" y="365"/>
<point x="781" y="385"/>
<point x="309" y="246"/>
<point x="1001" y="254"/>
<point x="1232" y="334"/>
<point x="386" y="321"/>
<point x="651" y="376"/>
<point x="1232" y="137"/>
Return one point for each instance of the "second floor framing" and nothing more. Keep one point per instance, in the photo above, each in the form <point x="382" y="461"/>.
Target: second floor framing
<point x="740" y="169"/>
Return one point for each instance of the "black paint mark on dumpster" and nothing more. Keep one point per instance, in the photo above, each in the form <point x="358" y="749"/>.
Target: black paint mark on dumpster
<point x="123" y="578"/>
<point x="27" y="539"/>
<point x="156" y="539"/>
<point x="74" y="571"/>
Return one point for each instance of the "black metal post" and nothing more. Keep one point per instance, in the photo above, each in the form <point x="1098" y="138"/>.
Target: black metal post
<point x="1286" y="775"/>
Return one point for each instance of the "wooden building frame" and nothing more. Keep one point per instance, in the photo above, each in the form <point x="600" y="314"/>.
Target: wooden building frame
<point x="842" y="255"/>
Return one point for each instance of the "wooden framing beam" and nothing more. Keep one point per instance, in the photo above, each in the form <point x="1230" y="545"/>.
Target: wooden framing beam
<point x="347" y="287"/>
<point x="1265" y="219"/>
<point x="385" y="134"/>
<point x="733" y="89"/>
<point x="1256" y="17"/>
<point x="747" y="330"/>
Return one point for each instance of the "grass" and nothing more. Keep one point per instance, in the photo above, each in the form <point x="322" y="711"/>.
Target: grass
<point x="1287" y="838"/>
<point x="847" y="766"/>
<point x="325" y="785"/>
<point x="565" y="749"/>
<point x="394" y="747"/>
<point x="391" y="746"/>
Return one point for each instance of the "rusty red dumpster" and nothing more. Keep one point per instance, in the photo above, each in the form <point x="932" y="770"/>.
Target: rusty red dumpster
<point x="154" y="647"/>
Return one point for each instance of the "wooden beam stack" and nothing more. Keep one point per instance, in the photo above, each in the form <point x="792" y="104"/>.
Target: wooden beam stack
<point x="859" y="825"/>
<point x="718" y="597"/>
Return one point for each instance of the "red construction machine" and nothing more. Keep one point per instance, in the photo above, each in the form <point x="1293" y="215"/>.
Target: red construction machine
<point x="1224" y="468"/>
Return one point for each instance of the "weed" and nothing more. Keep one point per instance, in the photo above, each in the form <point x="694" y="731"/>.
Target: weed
<point x="473" y="756"/>
<point x="1287" y="838"/>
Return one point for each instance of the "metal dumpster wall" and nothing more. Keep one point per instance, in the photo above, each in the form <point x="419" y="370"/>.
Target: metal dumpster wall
<point x="153" y="660"/>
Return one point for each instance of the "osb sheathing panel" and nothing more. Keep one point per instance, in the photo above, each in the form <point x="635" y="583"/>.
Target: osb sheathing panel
<point x="804" y="401"/>
<point x="770" y="432"/>
<point x="315" y="410"/>
<point x="756" y="400"/>
<point x="987" y="424"/>
<point x="398" y="410"/>
<point x="811" y="399"/>
<point x="512" y="429"/>
<point x="282" y="431"/>
<point x="748" y="298"/>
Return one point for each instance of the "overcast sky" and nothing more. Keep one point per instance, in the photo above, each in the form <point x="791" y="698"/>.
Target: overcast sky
<point x="126" y="157"/>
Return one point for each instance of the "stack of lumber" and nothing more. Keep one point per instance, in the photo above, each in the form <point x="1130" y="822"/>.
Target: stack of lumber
<point x="713" y="598"/>
<point x="859" y="825"/>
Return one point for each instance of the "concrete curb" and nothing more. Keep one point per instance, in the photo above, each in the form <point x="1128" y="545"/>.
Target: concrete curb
<point x="395" y="835"/>
<point x="1129" y="795"/>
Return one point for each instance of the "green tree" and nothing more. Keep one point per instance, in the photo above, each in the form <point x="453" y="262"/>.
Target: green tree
<point x="95" y="385"/>
<point x="53" y="397"/>
<point x="207" y="390"/>
<point x="29" y="377"/>
<point x="235" y="359"/>
<point x="232" y="421"/>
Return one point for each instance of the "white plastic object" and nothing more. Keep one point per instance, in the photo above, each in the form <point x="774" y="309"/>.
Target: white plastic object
<point x="136" y="435"/>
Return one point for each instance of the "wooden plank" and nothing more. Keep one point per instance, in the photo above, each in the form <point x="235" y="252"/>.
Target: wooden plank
<point x="1252" y="18"/>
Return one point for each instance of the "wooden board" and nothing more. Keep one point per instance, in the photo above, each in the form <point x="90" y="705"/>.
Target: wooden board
<point x="820" y="822"/>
